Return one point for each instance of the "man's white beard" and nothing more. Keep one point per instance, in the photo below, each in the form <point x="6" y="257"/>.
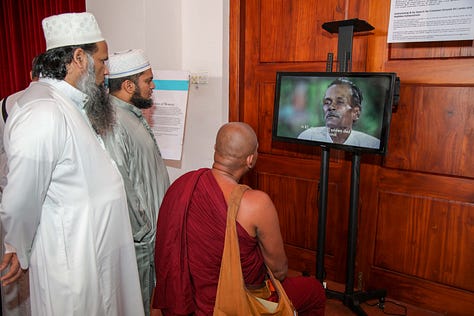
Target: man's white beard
<point x="98" y="109"/>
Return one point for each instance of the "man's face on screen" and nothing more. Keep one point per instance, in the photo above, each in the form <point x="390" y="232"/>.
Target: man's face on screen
<point x="337" y="105"/>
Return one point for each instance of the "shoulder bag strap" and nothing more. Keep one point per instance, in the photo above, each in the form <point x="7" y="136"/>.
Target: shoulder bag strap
<point x="231" y="295"/>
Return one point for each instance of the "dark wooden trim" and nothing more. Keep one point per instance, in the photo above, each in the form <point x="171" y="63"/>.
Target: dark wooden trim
<point x="235" y="33"/>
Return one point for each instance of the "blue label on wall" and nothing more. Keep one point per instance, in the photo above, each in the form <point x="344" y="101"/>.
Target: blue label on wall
<point x="177" y="85"/>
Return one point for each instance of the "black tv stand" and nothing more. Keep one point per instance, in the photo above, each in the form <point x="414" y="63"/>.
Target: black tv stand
<point x="350" y="298"/>
<point x="353" y="300"/>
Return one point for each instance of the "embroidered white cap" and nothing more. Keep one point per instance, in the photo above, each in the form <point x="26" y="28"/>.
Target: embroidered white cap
<point x="127" y="63"/>
<point x="71" y="29"/>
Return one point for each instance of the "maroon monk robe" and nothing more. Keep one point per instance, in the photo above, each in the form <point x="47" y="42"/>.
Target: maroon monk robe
<point x="207" y="215"/>
<point x="173" y="292"/>
<point x="189" y="245"/>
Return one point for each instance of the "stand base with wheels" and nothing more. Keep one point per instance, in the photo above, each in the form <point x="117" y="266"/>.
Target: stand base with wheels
<point x="349" y="297"/>
<point x="354" y="299"/>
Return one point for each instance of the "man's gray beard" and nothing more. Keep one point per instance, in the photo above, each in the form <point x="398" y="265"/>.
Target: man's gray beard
<point x="99" y="111"/>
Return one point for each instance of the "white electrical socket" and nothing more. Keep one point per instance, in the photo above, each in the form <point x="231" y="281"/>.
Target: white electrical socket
<point x="193" y="79"/>
<point x="199" y="78"/>
<point x="203" y="77"/>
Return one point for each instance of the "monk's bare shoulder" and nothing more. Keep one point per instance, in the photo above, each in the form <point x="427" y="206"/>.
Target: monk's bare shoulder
<point x="256" y="206"/>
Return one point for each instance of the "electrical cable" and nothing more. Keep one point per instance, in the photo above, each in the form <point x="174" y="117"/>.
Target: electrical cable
<point x="381" y="305"/>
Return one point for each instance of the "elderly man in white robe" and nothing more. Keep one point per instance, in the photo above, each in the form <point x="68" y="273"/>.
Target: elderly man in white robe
<point x="133" y="147"/>
<point x="64" y="207"/>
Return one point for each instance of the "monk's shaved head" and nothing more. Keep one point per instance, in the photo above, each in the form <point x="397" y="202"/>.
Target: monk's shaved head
<point x="235" y="141"/>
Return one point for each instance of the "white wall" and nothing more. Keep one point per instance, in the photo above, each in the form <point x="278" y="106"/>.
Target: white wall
<point x="178" y="35"/>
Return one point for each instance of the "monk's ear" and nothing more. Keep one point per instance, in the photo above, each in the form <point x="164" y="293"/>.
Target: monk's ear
<point x="250" y="161"/>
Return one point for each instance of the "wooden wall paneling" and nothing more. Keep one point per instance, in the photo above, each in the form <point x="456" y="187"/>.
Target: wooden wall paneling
<point x="417" y="208"/>
<point x="265" y="115"/>
<point x="420" y="194"/>
<point x="416" y="231"/>
<point x="433" y="130"/>
<point x="424" y="293"/>
<point x="291" y="30"/>
<point x="428" y="185"/>
<point x="293" y="186"/>
<point x="377" y="46"/>
<point x="236" y="57"/>
<point x="261" y="40"/>
<point x="427" y="63"/>
<point x="296" y="200"/>
<point x="263" y="37"/>
<point x="367" y="218"/>
<point x="249" y="87"/>
<point x="426" y="239"/>
<point x="439" y="71"/>
<point x="449" y="49"/>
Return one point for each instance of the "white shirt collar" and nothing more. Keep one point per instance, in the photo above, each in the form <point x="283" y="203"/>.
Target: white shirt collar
<point x="79" y="98"/>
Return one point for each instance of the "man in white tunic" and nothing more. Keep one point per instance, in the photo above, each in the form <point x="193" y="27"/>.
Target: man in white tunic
<point x="15" y="296"/>
<point x="64" y="207"/>
<point x="133" y="147"/>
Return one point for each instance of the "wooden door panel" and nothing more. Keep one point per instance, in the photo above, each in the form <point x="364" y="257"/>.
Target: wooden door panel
<point x="433" y="130"/>
<point x="450" y="49"/>
<point x="427" y="238"/>
<point x="295" y="199"/>
<point x="436" y="72"/>
<point x="290" y="30"/>
<point x="418" y="196"/>
<point x="416" y="235"/>
<point x="446" y="300"/>
<point x="423" y="227"/>
<point x="293" y="186"/>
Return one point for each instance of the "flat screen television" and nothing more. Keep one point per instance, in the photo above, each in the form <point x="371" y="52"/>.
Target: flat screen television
<point x="349" y="111"/>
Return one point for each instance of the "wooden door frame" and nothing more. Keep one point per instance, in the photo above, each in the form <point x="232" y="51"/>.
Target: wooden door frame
<point x="235" y="57"/>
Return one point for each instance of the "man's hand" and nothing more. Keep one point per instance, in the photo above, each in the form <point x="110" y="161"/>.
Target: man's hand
<point x="15" y="271"/>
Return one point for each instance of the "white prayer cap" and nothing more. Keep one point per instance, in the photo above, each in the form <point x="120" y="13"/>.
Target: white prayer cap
<point x="71" y="29"/>
<point x="127" y="63"/>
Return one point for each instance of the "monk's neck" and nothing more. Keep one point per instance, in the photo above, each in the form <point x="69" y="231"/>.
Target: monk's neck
<point x="226" y="180"/>
<point x="225" y="175"/>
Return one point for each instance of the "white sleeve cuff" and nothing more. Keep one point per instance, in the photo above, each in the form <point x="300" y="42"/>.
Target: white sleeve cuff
<point x="9" y="249"/>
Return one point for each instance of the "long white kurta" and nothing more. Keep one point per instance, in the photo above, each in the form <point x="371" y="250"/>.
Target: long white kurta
<point x="64" y="208"/>
<point x="15" y="296"/>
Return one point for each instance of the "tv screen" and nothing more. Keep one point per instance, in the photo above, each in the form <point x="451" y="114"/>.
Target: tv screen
<point x="347" y="111"/>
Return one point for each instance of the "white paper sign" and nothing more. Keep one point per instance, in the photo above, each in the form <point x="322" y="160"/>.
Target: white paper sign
<point x="167" y="117"/>
<point x="430" y="20"/>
